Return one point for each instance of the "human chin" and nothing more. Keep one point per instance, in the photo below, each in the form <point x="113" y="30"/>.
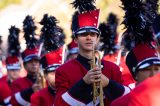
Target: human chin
<point x="88" y="48"/>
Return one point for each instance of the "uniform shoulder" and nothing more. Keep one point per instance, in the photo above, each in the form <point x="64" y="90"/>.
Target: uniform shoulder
<point x="68" y="65"/>
<point x="19" y="80"/>
<point x="41" y="93"/>
<point x="3" y="83"/>
<point x="4" y="78"/>
<point x="105" y="62"/>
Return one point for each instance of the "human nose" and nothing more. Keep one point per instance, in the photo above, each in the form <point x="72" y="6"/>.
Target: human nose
<point x="88" y="36"/>
<point x="34" y="62"/>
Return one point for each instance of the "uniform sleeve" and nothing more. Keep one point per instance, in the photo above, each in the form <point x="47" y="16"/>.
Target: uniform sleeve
<point x="20" y="97"/>
<point x="5" y="93"/>
<point x="115" y="87"/>
<point x="122" y="101"/>
<point x="78" y="95"/>
<point x="130" y="100"/>
<point x="35" y="99"/>
<point x="113" y="90"/>
<point x="61" y="87"/>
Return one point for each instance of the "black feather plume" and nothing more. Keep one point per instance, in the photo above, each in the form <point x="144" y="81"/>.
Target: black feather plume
<point x="156" y="29"/>
<point x="112" y="20"/>
<point x="29" y="32"/>
<point x="13" y="41"/>
<point x="151" y="7"/>
<point x="52" y="34"/>
<point x="136" y="23"/>
<point x="109" y="34"/>
<point x="84" y="5"/>
<point x="127" y="41"/>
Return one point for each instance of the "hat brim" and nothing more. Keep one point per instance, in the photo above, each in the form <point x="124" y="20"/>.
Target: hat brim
<point x="148" y="62"/>
<point x="13" y="67"/>
<point x="74" y="50"/>
<point x="31" y="57"/>
<point x="87" y="29"/>
<point x="51" y="68"/>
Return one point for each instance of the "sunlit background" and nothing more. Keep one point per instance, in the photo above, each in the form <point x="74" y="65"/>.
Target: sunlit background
<point x="13" y="12"/>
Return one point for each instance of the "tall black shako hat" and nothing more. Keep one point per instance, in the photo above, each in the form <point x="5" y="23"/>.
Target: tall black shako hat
<point x="32" y="49"/>
<point x="13" y="56"/>
<point x="86" y="20"/>
<point x="53" y="38"/>
<point x="138" y="30"/>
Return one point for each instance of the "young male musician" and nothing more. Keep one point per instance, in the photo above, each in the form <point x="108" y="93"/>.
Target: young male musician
<point x="74" y="79"/>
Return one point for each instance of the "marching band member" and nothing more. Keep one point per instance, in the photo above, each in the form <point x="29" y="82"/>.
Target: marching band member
<point x="23" y="88"/>
<point x="13" y="66"/>
<point x="142" y="61"/>
<point x="74" y="79"/>
<point x="112" y="51"/>
<point x="53" y="43"/>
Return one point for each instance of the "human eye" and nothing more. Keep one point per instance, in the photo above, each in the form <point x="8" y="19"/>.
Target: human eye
<point x="93" y="34"/>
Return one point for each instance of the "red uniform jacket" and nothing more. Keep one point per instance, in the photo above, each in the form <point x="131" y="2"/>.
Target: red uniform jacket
<point x="44" y="97"/>
<point x="5" y="91"/>
<point x="126" y="75"/>
<point x="71" y="89"/>
<point x="4" y="78"/>
<point x="146" y="93"/>
<point x="21" y="91"/>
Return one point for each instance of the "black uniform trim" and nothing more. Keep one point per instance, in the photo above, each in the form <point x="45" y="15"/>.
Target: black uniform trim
<point x="26" y="94"/>
<point x="32" y="78"/>
<point x="82" y="92"/>
<point x="113" y="90"/>
<point x="52" y="91"/>
<point x="84" y="61"/>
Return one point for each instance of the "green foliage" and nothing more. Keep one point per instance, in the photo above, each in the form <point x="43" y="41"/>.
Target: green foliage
<point x="4" y="3"/>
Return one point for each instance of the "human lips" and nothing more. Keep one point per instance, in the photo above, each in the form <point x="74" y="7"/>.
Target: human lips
<point x="89" y="43"/>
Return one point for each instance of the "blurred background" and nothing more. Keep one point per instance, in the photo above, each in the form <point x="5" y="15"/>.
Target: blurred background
<point x="13" y="12"/>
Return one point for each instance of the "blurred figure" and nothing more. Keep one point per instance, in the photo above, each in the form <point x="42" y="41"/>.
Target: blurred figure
<point x="13" y="66"/>
<point x="112" y="51"/>
<point x="23" y="88"/>
<point x="143" y="65"/>
<point x="72" y="50"/>
<point x="51" y="60"/>
<point x="2" y="60"/>
<point x="72" y="46"/>
<point x="142" y="61"/>
<point x="146" y="93"/>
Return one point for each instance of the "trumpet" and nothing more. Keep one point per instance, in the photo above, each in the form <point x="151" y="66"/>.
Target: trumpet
<point x="40" y="79"/>
<point x="97" y="87"/>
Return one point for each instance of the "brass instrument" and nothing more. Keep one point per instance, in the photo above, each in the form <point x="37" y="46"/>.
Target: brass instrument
<point x="97" y="87"/>
<point x="40" y="79"/>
